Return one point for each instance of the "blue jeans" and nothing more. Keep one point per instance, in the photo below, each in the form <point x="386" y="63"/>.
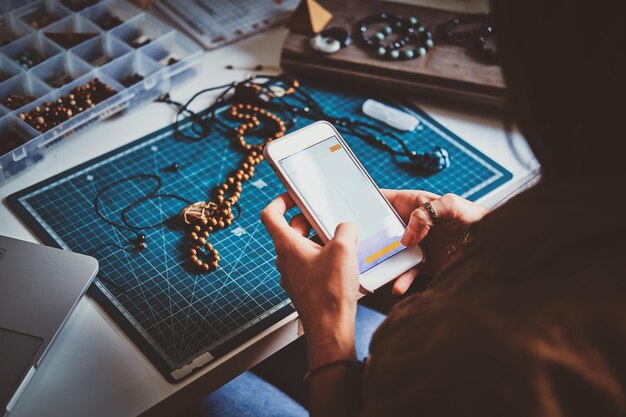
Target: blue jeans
<point x="275" y="387"/>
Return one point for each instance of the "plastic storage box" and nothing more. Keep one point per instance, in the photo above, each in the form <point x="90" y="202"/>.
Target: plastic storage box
<point x="49" y="49"/>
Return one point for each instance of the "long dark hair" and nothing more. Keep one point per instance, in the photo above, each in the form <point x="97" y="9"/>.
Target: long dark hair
<point x="564" y="62"/>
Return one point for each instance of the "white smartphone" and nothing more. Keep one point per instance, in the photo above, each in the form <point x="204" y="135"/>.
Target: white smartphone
<point x="330" y="186"/>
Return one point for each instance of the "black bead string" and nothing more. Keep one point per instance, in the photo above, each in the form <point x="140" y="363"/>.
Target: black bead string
<point x="408" y="31"/>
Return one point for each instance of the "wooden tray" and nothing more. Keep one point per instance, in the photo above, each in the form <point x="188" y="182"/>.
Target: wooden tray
<point x="448" y="71"/>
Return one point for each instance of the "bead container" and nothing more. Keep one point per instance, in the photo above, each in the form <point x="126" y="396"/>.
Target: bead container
<point x="114" y="58"/>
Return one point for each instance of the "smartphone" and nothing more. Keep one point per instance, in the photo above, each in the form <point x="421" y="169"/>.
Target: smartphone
<point x="330" y="186"/>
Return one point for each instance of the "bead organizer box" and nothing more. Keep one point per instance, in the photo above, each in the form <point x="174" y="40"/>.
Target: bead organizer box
<point x="214" y="23"/>
<point x="181" y="311"/>
<point x="65" y="64"/>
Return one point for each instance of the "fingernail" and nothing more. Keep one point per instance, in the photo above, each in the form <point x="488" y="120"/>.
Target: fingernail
<point x="407" y="238"/>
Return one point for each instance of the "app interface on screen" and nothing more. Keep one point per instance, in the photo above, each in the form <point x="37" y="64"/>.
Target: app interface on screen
<point x="336" y="190"/>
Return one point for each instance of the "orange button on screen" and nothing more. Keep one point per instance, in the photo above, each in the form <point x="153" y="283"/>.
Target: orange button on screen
<point x="382" y="252"/>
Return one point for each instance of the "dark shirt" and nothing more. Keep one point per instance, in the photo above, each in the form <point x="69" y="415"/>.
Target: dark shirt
<point x="529" y="320"/>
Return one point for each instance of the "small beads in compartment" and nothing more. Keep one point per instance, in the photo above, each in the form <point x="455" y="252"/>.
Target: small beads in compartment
<point x="140" y="41"/>
<point x="131" y="79"/>
<point x="30" y="58"/>
<point x="52" y="114"/>
<point x="15" y="101"/>
<point x="4" y="76"/>
<point x="108" y="22"/>
<point x="169" y="60"/>
<point x="70" y="39"/>
<point x="42" y="19"/>
<point x="9" y="141"/>
<point x="77" y="5"/>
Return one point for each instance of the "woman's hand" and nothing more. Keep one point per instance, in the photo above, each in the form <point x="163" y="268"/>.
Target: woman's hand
<point x="456" y="214"/>
<point x="322" y="281"/>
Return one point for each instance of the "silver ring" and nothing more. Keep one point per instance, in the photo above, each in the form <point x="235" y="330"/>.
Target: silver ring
<point x="432" y="213"/>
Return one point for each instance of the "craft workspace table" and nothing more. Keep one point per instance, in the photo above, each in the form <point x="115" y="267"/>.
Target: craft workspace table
<point x="93" y="368"/>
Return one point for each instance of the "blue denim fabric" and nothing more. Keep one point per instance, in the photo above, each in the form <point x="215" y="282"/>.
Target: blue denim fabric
<point x="275" y="387"/>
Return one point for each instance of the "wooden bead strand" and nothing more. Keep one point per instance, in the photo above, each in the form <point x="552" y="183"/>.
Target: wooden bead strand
<point x="207" y="217"/>
<point x="250" y="117"/>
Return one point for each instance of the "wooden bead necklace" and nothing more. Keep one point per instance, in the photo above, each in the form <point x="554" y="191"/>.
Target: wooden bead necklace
<point x="207" y="217"/>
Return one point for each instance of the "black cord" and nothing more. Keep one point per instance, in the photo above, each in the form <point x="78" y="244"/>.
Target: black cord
<point x="99" y="275"/>
<point x="201" y="122"/>
<point x="353" y="126"/>
<point x="152" y="194"/>
<point x="142" y="200"/>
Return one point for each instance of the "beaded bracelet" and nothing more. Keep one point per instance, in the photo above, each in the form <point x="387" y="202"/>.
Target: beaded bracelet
<point x="357" y="364"/>
<point x="409" y="30"/>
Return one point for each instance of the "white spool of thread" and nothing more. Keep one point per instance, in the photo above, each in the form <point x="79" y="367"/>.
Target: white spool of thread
<point x="389" y="115"/>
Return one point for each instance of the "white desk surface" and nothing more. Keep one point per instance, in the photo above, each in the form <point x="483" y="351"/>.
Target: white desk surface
<point x="94" y="369"/>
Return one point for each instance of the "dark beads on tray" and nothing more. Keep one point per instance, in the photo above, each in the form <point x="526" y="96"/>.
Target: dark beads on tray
<point x="140" y="41"/>
<point x="131" y="80"/>
<point x="43" y="19"/>
<point x="80" y="99"/>
<point x="109" y="22"/>
<point x="70" y="39"/>
<point x="15" y="101"/>
<point x="9" y="140"/>
<point x="77" y="5"/>
<point x="30" y="58"/>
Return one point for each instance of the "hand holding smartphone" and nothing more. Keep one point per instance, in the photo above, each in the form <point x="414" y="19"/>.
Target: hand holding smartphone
<point x="330" y="186"/>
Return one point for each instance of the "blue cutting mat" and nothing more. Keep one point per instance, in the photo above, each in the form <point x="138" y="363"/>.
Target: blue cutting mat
<point x="175" y="315"/>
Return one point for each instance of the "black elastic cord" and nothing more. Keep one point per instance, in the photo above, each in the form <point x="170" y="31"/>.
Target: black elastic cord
<point x="357" y="128"/>
<point x="152" y="194"/>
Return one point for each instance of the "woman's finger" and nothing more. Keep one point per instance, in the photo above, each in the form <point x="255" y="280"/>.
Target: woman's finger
<point x="421" y="220"/>
<point x="346" y="235"/>
<point x="449" y="207"/>
<point x="405" y="201"/>
<point x="273" y="218"/>
<point x="300" y="224"/>
<point x="455" y="207"/>
<point x="404" y="281"/>
<point x="417" y="228"/>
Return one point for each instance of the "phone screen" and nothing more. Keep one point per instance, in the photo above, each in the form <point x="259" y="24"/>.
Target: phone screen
<point x="336" y="190"/>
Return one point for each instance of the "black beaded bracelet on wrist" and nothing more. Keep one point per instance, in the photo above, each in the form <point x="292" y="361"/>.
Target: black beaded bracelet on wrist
<point x="413" y="39"/>
<point x="353" y="364"/>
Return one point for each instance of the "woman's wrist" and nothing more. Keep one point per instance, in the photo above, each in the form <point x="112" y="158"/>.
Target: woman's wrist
<point x="329" y="343"/>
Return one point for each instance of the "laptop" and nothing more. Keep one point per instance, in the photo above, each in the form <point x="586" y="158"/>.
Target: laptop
<point x="39" y="288"/>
